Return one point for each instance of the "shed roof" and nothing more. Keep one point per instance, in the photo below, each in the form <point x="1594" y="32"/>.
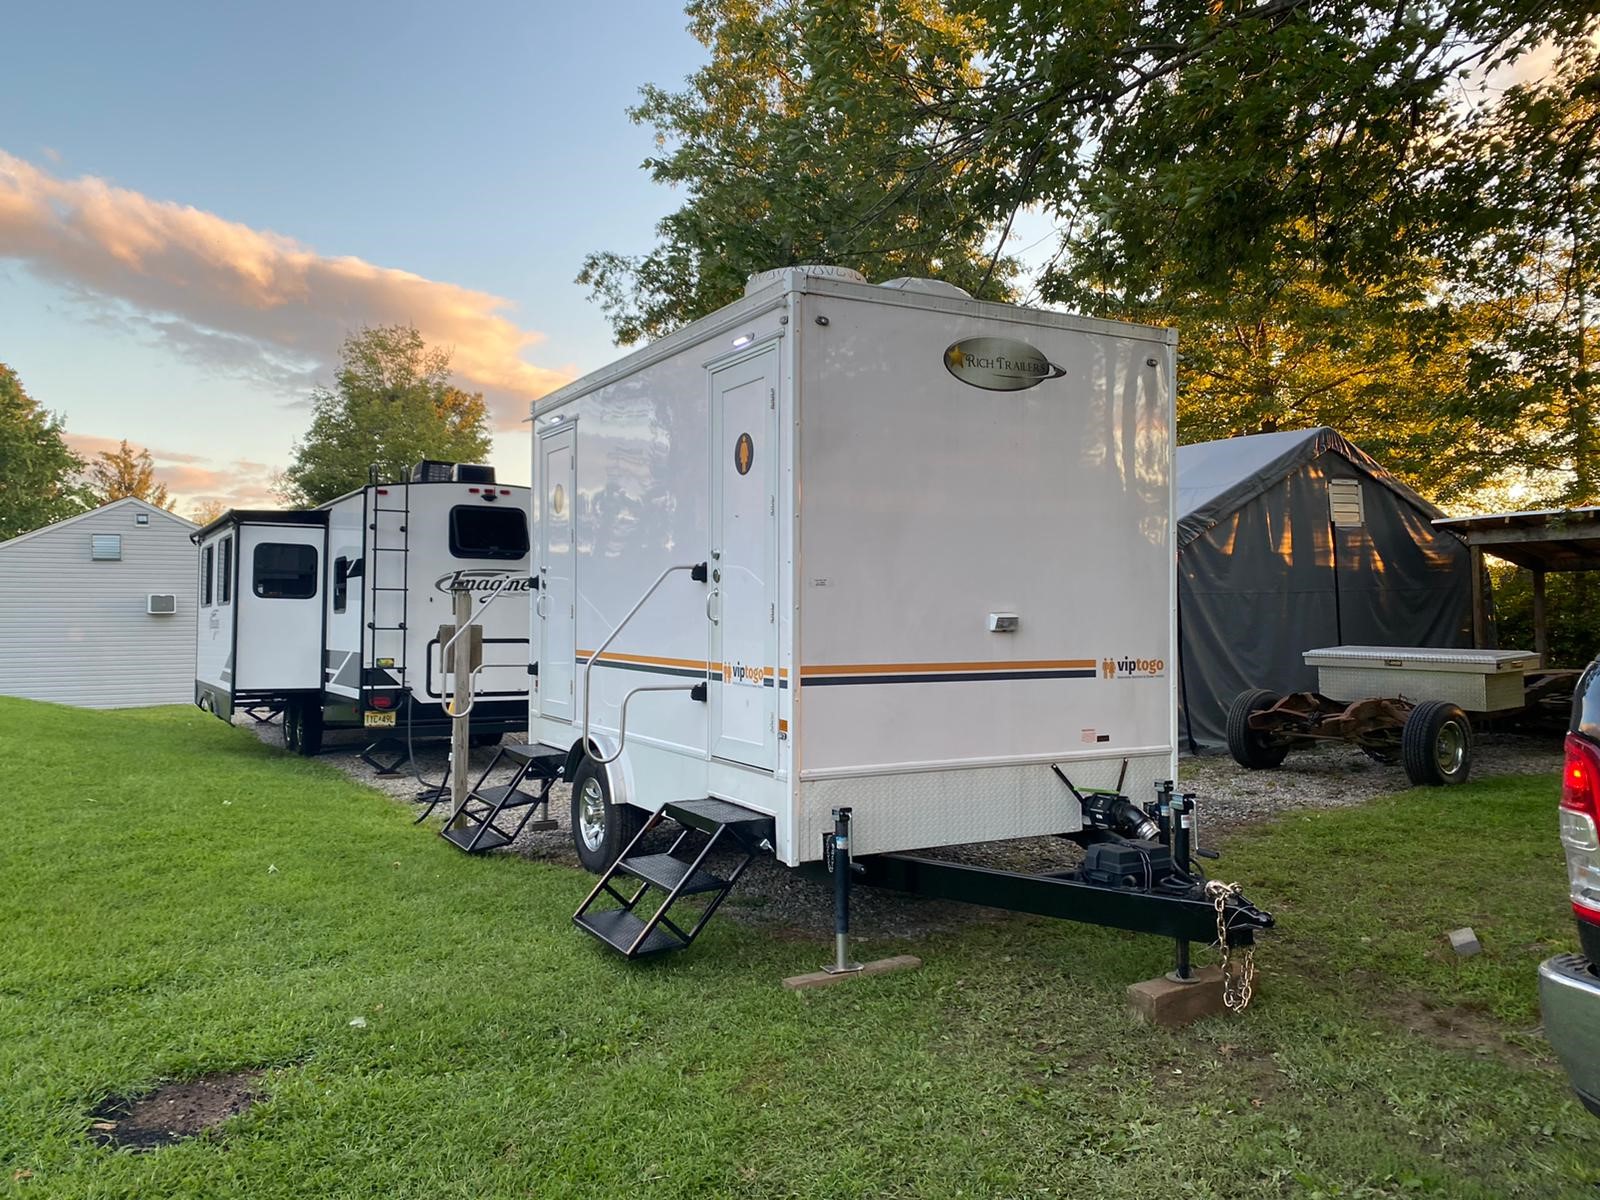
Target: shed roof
<point x="125" y="502"/>
<point x="1553" y="539"/>
<point x="1217" y="478"/>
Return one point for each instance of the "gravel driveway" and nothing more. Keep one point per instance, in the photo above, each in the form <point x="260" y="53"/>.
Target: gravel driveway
<point x="795" y="903"/>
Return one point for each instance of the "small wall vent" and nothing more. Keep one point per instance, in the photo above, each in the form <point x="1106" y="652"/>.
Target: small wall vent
<point x="1346" y="504"/>
<point x="161" y="604"/>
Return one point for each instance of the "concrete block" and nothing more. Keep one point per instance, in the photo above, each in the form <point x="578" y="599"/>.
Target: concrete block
<point x="1464" y="942"/>
<point x="900" y="962"/>
<point x="1168" y="1003"/>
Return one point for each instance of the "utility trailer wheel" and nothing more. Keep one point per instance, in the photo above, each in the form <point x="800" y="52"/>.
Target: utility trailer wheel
<point x="1249" y="748"/>
<point x="1436" y="744"/>
<point x="601" y="830"/>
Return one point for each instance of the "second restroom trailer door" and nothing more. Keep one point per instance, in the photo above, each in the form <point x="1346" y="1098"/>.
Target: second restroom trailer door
<point x="557" y="603"/>
<point x="744" y="585"/>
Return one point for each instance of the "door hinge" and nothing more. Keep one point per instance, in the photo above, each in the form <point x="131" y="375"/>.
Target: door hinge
<point x="772" y="398"/>
<point x="772" y="506"/>
<point x="772" y="613"/>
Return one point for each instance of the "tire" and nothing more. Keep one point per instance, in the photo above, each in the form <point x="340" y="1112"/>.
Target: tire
<point x="1436" y="744"/>
<point x="479" y="740"/>
<point x="601" y="830"/>
<point x="302" y="727"/>
<point x="1249" y="748"/>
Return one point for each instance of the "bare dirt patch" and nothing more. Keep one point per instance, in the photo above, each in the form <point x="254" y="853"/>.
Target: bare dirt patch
<point x="173" y="1111"/>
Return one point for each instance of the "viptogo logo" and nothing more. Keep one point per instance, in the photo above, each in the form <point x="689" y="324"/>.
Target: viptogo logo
<point x="482" y="580"/>
<point x="1131" y="668"/>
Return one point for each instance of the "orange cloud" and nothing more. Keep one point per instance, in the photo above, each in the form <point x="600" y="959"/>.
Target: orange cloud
<point x="190" y="482"/>
<point x="242" y="299"/>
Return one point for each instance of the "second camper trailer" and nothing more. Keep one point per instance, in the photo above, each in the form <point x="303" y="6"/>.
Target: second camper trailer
<point x="331" y="615"/>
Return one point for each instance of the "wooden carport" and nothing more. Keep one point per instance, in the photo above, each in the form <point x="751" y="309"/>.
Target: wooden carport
<point x="1566" y="539"/>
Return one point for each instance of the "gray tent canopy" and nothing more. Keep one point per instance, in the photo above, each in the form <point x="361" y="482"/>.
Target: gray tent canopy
<point x="1291" y="541"/>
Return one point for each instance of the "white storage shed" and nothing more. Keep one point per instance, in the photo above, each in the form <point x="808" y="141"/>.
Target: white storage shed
<point x="98" y="610"/>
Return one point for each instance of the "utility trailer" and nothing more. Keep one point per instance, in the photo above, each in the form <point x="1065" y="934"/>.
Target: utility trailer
<point x="852" y="570"/>
<point x="1411" y="705"/>
<point x="330" y="616"/>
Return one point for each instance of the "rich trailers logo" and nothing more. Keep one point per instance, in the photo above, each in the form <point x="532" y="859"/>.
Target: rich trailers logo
<point x="1132" y="668"/>
<point x="483" y="580"/>
<point x="999" y="364"/>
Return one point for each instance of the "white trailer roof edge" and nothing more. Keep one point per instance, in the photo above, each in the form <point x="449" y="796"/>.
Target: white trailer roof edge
<point x="798" y="282"/>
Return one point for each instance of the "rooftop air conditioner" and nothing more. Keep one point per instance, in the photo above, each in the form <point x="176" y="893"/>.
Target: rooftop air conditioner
<point x="472" y="473"/>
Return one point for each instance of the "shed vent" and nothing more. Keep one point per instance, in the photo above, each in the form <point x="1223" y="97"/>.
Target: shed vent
<point x="1345" y="502"/>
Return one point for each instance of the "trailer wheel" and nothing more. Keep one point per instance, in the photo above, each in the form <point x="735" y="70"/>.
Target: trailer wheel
<point x="1249" y="748"/>
<point x="302" y="727"/>
<point x="601" y="830"/>
<point x="1436" y="744"/>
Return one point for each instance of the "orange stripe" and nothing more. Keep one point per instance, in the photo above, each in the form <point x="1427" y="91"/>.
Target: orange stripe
<point x="648" y="661"/>
<point x="1070" y="664"/>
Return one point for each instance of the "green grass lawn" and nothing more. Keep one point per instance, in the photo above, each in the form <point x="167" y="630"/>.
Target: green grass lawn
<point x="177" y="899"/>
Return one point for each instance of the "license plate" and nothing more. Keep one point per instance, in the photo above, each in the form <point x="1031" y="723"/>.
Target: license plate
<point x="379" y="719"/>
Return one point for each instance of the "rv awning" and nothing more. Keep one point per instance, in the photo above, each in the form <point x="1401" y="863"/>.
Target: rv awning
<point x="1563" y="539"/>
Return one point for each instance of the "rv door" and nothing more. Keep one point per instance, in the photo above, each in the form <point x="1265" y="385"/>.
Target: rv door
<point x="555" y="608"/>
<point x="742" y="604"/>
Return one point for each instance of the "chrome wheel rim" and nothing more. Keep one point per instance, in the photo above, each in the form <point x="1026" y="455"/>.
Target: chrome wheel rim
<point x="1451" y="748"/>
<point x="592" y="813"/>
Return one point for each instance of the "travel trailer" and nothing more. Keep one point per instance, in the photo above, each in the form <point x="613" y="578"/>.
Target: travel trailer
<point x="331" y="615"/>
<point x="880" y="551"/>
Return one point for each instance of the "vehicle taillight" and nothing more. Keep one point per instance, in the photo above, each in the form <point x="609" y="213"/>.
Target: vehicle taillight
<point x="1580" y="817"/>
<point x="383" y="701"/>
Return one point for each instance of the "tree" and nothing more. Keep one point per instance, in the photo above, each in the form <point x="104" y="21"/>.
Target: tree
<point x="791" y="146"/>
<point x="391" y="406"/>
<point x="207" y="511"/>
<point x="120" y="473"/>
<point x="37" y="469"/>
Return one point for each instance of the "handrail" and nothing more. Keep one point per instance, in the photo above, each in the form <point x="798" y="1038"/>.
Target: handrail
<point x="697" y="571"/>
<point x="472" y="675"/>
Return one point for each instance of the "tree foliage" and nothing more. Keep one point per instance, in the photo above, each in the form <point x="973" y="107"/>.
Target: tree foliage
<point x="795" y="144"/>
<point x="123" y="472"/>
<point x="392" y="405"/>
<point x="37" y="469"/>
<point x="1344" y="224"/>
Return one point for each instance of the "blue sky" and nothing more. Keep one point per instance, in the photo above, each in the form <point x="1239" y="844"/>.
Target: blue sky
<point x="483" y="147"/>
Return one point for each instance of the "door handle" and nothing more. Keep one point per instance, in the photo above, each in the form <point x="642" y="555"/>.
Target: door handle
<point x="542" y="606"/>
<point x="711" y="603"/>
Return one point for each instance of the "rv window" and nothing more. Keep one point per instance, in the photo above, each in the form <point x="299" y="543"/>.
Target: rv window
<point x="285" y="572"/>
<point x="477" y="531"/>
<point x="205" y="575"/>
<point x="225" y="575"/>
<point x="341" y="590"/>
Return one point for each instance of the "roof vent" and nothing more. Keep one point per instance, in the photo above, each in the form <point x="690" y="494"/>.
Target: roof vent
<point x="928" y="287"/>
<point x="819" y="270"/>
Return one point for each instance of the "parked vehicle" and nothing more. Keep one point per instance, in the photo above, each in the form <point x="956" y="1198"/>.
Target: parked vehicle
<point x="848" y="570"/>
<point x="331" y="615"/>
<point x="1569" y="984"/>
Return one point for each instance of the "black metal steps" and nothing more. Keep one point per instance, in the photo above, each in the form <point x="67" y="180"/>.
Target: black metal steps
<point x="634" y="931"/>
<point x="621" y="930"/>
<point x="481" y="827"/>
<point x="668" y="872"/>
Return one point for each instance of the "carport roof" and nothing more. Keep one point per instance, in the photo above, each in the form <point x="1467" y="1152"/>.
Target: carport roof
<point x="1556" y="539"/>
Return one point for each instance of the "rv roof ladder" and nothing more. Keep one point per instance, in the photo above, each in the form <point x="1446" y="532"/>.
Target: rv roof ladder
<point x="642" y="922"/>
<point x="389" y="539"/>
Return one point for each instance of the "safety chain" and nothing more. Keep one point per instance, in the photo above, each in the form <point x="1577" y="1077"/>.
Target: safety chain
<point x="1236" y="984"/>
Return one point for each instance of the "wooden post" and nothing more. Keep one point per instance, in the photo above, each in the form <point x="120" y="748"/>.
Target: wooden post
<point x="1480" y="612"/>
<point x="1541" y="630"/>
<point x="461" y="694"/>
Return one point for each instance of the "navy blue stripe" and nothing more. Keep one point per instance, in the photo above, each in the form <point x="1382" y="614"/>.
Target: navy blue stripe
<point x="953" y="677"/>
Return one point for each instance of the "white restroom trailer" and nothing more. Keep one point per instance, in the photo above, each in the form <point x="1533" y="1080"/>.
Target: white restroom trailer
<point x="917" y="552"/>
<point x="331" y="615"/>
